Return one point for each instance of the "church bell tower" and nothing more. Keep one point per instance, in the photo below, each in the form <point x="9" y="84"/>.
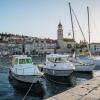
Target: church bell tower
<point x="60" y="35"/>
<point x="60" y="32"/>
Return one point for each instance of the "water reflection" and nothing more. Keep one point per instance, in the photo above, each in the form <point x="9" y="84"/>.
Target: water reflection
<point x="22" y="88"/>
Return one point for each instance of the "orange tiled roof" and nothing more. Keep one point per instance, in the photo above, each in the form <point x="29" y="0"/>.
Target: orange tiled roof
<point x="68" y="40"/>
<point x="50" y="41"/>
<point x="95" y="43"/>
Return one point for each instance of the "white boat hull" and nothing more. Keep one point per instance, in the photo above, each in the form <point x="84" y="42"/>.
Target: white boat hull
<point x="57" y="72"/>
<point x="84" y="68"/>
<point x="26" y="78"/>
<point x="97" y="62"/>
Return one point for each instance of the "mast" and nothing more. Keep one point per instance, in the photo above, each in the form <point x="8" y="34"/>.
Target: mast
<point x="71" y="20"/>
<point x="88" y="26"/>
<point x="74" y="49"/>
<point x="81" y="31"/>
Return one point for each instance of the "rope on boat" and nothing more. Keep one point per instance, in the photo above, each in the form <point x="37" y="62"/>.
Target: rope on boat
<point x="64" y="83"/>
<point x="54" y="80"/>
<point x="45" y="79"/>
<point x="28" y="91"/>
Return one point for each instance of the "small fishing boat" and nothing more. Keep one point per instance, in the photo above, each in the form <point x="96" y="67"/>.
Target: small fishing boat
<point x="24" y="70"/>
<point x="58" y="65"/>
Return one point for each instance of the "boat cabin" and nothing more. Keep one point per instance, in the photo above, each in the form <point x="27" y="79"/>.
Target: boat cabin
<point x="56" y="58"/>
<point x="21" y="60"/>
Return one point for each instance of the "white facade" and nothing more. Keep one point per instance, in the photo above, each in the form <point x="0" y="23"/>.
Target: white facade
<point x="40" y="46"/>
<point x="35" y="45"/>
<point x="95" y="48"/>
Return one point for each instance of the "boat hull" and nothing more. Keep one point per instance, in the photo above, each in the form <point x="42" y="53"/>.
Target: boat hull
<point x="26" y="78"/>
<point x="84" y="68"/>
<point x="54" y="72"/>
<point x="23" y="87"/>
<point x="97" y="62"/>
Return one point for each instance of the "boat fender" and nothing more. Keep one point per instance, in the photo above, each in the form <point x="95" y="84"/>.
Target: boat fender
<point x="53" y="72"/>
<point x="41" y="69"/>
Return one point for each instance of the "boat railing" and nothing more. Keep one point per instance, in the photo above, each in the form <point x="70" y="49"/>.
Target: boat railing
<point x="23" y="70"/>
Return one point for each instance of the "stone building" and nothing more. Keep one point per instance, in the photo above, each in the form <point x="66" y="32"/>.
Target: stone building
<point x="34" y="45"/>
<point x="64" y="45"/>
<point x="40" y="46"/>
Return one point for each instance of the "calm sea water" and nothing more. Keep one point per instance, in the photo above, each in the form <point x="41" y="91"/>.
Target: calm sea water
<point x="8" y="92"/>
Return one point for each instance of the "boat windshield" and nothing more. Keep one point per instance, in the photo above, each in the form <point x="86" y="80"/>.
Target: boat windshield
<point x="57" y="60"/>
<point x="15" y="61"/>
<point x="25" y="61"/>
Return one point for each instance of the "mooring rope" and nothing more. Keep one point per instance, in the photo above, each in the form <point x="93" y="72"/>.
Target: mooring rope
<point x="28" y="91"/>
<point x="55" y="81"/>
<point x="64" y="83"/>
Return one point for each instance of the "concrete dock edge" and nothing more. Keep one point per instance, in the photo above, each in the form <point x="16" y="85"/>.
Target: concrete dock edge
<point x="89" y="90"/>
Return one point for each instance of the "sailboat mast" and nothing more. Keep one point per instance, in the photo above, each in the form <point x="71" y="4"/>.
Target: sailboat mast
<point x="71" y="20"/>
<point x="88" y="26"/>
<point x="81" y="31"/>
<point x="72" y="28"/>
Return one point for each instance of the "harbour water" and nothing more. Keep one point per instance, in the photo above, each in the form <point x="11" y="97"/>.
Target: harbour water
<point x="50" y="88"/>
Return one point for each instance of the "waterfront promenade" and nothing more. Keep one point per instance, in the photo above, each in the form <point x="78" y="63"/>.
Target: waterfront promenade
<point x="89" y="90"/>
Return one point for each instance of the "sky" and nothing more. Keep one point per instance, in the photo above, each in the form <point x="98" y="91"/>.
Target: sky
<point x="40" y="18"/>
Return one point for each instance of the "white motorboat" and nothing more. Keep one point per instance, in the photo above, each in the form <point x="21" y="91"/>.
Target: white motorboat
<point x="24" y="70"/>
<point x="58" y="65"/>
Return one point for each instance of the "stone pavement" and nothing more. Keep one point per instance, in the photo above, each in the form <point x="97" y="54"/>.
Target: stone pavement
<point x="89" y="90"/>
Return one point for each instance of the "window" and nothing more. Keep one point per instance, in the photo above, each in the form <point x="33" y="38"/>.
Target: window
<point x="51" y="59"/>
<point x="69" y="46"/>
<point x="22" y="61"/>
<point x="56" y="59"/>
<point x="28" y="61"/>
<point x="16" y="61"/>
<point x="60" y="60"/>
